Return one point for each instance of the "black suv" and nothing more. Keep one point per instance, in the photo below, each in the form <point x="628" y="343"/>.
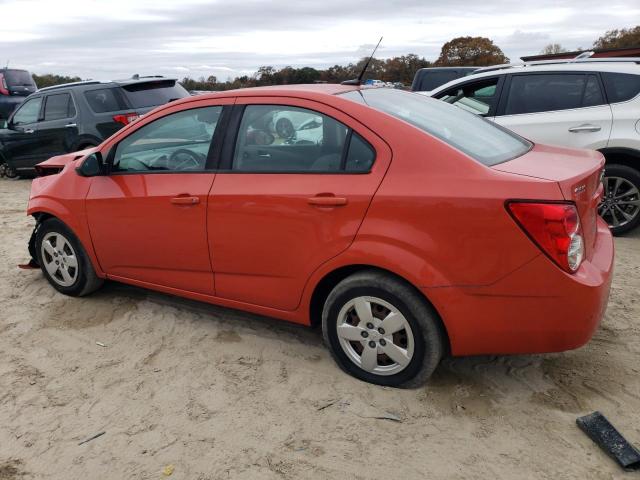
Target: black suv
<point x="426" y="79"/>
<point x="75" y="116"/>
<point x="15" y="85"/>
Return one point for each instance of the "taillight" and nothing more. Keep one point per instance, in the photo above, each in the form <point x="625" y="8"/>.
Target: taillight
<point x="555" y="228"/>
<point x="4" y="89"/>
<point x="126" y="118"/>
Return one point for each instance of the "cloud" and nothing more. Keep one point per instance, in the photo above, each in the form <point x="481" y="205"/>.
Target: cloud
<point x="97" y="39"/>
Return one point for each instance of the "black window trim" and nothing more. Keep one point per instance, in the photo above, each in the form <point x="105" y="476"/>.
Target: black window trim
<point x="225" y="164"/>
<point x="499" y="89"/>
<point x="502" y="104"/>
<point x="213" y="155"/>
<point x="46" y="99"/>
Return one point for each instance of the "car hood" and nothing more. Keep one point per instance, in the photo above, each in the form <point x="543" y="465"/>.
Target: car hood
<point x="57" y="163"/>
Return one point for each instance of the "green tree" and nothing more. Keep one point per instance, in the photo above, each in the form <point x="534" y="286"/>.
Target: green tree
<point x="49" y="80"/>
<point x="472" y="51"/>
<point x="626" y="37"/>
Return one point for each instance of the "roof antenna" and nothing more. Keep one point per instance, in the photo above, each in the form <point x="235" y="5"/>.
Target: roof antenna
<point x="358" y="81"/>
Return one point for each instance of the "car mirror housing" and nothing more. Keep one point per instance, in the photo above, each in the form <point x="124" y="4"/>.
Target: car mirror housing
<point x="92" y="166"/>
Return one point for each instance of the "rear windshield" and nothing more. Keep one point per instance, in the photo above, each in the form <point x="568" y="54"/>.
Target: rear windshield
<point x="18" y="78"/>
<point x="473" y="135"/>
<point x="152" y="94"/>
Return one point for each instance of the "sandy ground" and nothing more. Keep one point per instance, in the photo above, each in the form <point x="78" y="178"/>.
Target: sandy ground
<point x="221" y="394"/>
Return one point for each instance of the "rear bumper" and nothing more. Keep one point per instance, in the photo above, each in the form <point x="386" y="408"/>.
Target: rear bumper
<point x="536" y="309"/>
<point x="8" y="103"/>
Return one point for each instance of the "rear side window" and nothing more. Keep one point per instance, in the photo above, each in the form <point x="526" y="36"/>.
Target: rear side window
<point x="105" y="100"/>
<point x="621" y="87"/>
<point x="360" y="155"/>
<point x="18" y="78"/>
<point x="469" y="133"/>
<point x="551" y="92"/>
<point x="59" y="106"/>
<point x="152" y="94"/>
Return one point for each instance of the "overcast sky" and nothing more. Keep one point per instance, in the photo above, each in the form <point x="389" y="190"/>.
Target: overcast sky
<point x="115" y="38"/>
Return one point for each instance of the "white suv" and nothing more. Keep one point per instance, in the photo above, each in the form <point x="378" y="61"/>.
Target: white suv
<point x="586" y="103"/>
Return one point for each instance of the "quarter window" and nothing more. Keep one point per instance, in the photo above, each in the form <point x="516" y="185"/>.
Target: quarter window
<point x="277" y="138"/>
<point x="29" y="112"/>
<point x="621" y="87"/>
<point x="58" y="107"/>
<point x="178" y="142"/>
<point x="551" y="92"/>
<point x="105" y="100"/>
<point x="476" y="98"/>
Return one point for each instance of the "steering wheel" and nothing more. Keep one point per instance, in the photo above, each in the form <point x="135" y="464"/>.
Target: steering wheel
<point x="185" y="159"/>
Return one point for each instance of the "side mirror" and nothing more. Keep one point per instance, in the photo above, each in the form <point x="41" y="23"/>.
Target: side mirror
<point x="92" y="166"/>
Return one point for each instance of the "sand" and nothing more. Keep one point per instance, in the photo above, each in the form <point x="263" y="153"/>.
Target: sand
<point x="217" y="393"/>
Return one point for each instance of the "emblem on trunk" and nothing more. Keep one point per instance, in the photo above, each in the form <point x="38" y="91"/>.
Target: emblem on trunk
<point x="579" y="189"/>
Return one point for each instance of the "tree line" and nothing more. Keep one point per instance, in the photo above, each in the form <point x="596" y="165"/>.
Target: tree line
<point x="468" y="51"/>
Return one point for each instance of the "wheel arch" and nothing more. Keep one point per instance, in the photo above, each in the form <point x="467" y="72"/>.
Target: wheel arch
<point x="328" y="282"/>
<point x="622" y="156"/>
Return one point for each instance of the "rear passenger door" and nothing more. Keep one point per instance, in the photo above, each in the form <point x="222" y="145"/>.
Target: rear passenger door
<point x="567" y="109"/>
<point x="58" y="129"/>
<point x="295" y="181"/>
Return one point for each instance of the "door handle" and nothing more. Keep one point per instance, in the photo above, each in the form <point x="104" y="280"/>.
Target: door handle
<point x="264" y="155"/>
<point x="28" y="130"/>
<point x="185" y="200"/>
<point x="585" y="128"/>
<point x="327" y="201"/>
<point x="70" y="125"/>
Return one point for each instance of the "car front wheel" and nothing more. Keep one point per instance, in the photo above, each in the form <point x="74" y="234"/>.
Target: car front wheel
<point x="63" y="261"/>
<point x="381" y="330"/>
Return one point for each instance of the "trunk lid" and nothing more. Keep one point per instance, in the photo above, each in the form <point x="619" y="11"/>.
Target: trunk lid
<point x="578" y="174"/>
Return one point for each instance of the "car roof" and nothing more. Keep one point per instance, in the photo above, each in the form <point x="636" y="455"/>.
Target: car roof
<point x="121" y="83"/>
<point x="620" y="66"/>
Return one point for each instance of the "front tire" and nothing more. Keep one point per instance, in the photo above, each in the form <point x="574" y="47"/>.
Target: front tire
<point x="620" y="207"/>
<point x="63" y="260"/>
<point x="381" y="330"/>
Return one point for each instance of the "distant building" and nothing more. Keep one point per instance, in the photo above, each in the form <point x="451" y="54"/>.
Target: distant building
<point x="597" y="53"/>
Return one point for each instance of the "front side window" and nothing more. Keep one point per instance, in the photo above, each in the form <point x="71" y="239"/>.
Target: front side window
<point x="469" y="133"/>
<point x="478" y="97"/>
<point x="178" y="142"/>
<point x="279" y="138"/>
<point x="551" y="92"/>
<point x="28" y="112"/>
<point x="621" y="87"/>
<point x="59" y="106"/>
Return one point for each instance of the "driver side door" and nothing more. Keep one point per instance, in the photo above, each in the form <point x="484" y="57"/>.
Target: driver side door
<point x="21" y="144"/>
<point x="147" y="218"/>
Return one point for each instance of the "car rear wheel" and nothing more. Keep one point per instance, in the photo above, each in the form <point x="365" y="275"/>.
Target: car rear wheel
<point x="620" y="206"/>
<point x="7" y="171"/>
<point x="63" y="261"/>
<point x="379" y="329"/>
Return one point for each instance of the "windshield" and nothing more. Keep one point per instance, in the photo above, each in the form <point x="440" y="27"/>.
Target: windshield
<point x="480" y="139"/>
<point x="152" y="94"/>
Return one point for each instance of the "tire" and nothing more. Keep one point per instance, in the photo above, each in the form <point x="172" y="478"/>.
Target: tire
<point x="621" y="198"/>
<point x="421" y="337"/>
<point x="54" y="238"/>
<point x="7" y="171"/>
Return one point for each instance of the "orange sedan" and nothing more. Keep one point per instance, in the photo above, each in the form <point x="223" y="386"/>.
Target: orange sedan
<point x="405" y="226"/>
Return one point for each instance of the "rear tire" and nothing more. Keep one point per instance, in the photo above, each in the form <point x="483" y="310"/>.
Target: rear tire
<point x="63" y="260"/>
<point x="355" y="316"/>
<point x="621" y="198"/>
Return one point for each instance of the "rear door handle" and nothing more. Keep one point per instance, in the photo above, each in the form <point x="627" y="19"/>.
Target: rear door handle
<point x="71" y="125"/>
<point x="29" y="130"/>
<point x="585" y="128"/>
<point x="328" y="201"/>
<point x="185" y="200"/>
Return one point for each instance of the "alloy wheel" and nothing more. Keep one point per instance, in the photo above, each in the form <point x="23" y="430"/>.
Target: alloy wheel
<point x="375" y="335"/>
<point x="59" y="259"/>
<point x="621" y="202"/>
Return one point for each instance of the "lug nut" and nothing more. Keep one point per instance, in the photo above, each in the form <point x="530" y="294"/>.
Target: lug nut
<point x="372" y="344"/>
<point x="383" y="342"/>
<point x="381" y="330"/>
<point x="370" y="325"/>
<point x="365" y="334"/>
